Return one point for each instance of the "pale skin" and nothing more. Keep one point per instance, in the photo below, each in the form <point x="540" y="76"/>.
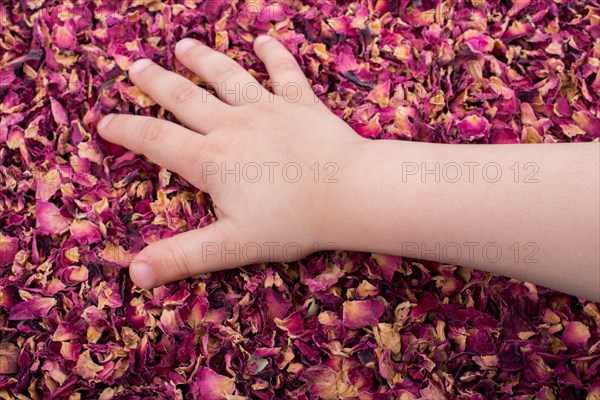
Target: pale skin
<point x="530" y="212"/>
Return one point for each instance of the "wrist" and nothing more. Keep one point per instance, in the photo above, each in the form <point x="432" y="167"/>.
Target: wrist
<point x="376" y="209"/>
<point x="352" y="200"/>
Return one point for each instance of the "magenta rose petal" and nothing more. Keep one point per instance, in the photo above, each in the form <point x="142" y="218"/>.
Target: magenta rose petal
<point x="576" y="334"/>
<point x="211" y="386"/>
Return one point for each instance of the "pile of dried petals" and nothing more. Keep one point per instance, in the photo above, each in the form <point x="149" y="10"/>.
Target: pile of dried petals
<point x="336" y="325"/>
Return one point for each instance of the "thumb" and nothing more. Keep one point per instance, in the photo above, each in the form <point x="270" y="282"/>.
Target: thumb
<point x="190" y="253"/>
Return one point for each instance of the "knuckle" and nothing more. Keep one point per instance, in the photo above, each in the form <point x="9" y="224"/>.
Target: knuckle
<point x="200" y="171"/>
<point x="152" y="130"/>
<point x="179" y="261"/>
<point x="203" y="163"/>
<point x="218" y="234"/>
<point x="228" y="70"/>
<point x="253" y="93"/>
<point x="183" y="92"/>
<point x="211" y="148"/>
<point x="285" y="64"/>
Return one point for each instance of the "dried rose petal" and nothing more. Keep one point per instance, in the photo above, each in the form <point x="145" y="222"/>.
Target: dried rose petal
<point x="321" y="381"/>
<point x="34" y="308"/>
<point x="9" y="356"/>
<point x="9" y="247"/>
<point x="86" y="367"/>
<point x="85" y="231"/>
<point x="211" y="386"/>
<point x="360" y="313"/>
<point x="472" y="127"/>
<point x="49" y="218"/>
<point x="75" y="274"/>
<point x="575" y="334"/>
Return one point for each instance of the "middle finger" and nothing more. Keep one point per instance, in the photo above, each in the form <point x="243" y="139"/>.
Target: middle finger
<point x="192" y="105"/>
<point x="232" y="83"/>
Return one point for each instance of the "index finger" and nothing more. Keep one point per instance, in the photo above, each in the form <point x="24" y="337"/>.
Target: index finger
<point x="167" y="144"/>
<point x="286" y="76"/>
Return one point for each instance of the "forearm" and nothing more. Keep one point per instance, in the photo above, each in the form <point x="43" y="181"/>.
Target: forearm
<point x="528" y="212"/>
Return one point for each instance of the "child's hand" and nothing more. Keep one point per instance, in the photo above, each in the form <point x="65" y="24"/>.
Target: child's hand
<point x="272" y="163"/>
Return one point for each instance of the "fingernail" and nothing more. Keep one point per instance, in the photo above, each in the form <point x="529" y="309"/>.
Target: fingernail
<point x="144" y="275"/>
<point x="262" y="39"/>
<point x="140" y="65"/>
<point x="185" y="45"/>
<point x="105" y="121"/>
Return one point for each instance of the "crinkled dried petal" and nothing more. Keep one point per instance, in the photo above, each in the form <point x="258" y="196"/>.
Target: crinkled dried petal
<point x="35" y="308"/>
<point x="211" y="386"/>
<point x="575" y="334"/>
<point x="361" y="313"/>
<point x="9" y="247"/>
<point x="9" y="357"/>
<point x="50" y="219"/>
